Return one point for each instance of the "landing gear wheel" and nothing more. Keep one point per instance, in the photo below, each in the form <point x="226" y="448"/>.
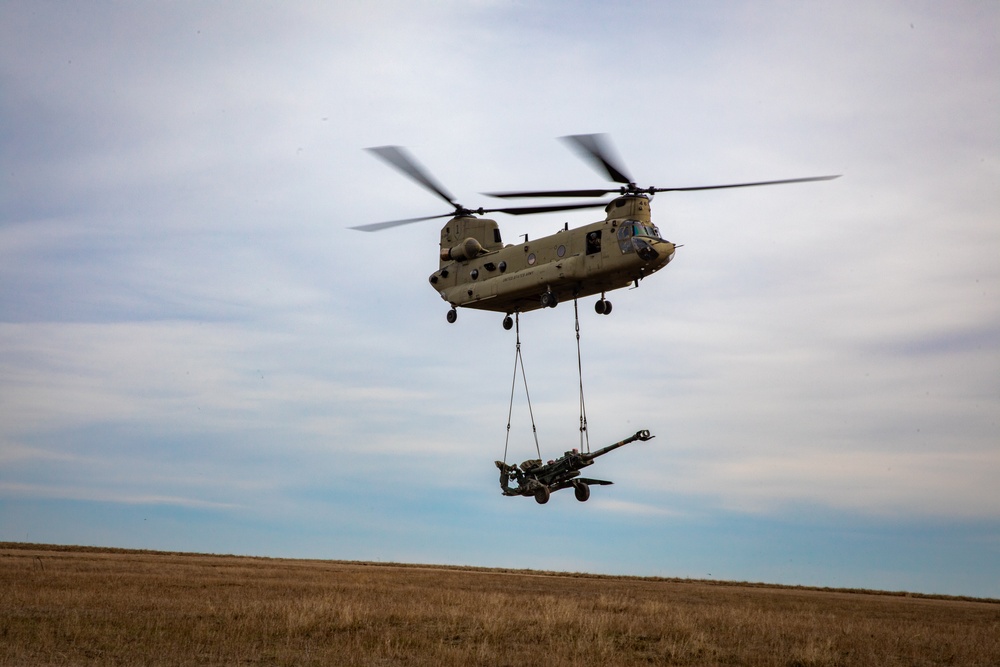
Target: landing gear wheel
<point x="603" y="307"/>
<point x="582" y="491"/>
<point x="452" y="316"/>
<point x="542" y="495"/>
<point x="508" y="323"/>
<point x="549" y="300"/>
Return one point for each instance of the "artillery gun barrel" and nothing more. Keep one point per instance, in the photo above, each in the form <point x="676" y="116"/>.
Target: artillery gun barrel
<point x="639" y="435"/>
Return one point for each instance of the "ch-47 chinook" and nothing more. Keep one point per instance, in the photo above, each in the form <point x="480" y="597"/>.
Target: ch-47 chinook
<point x="477" y="270"/>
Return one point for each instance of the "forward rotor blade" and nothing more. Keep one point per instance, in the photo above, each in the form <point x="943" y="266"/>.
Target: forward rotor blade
<point x="596" y="149"/>
<point x="527" y="210"/>
<point x="744" y="185"/>
<point x="551" y="193"/>
<point x="598" y="193"/>
<point x="377" y="226"/>
<point x="398" y="157"/>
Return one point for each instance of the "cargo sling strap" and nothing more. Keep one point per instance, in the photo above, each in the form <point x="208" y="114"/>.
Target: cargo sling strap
<point x="519" y="364"/>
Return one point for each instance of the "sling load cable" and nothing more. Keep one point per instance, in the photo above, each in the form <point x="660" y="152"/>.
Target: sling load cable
<point x="518" y="360"/>
<point x="584" y="434"/>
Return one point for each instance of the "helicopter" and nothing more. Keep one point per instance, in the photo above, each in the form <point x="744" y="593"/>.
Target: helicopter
<point x="477" y="270"/>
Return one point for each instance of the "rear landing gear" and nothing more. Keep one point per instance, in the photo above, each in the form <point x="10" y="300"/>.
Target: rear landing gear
<point x="603" y="306"/>
<point x="549" y="299"/>
<point x="452" y="316"/>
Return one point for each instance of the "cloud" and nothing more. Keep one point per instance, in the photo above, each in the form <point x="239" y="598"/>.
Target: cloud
<point x="90" y="495"/>
<point x="185" y="317"/>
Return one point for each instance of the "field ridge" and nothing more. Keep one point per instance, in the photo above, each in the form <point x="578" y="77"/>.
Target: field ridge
<point x="502" y="570"/>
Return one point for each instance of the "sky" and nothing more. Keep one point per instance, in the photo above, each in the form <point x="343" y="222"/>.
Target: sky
<point x="197" y="353"/>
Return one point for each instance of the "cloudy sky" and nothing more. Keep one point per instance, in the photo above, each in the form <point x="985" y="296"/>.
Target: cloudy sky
<point x="197" y="354"/>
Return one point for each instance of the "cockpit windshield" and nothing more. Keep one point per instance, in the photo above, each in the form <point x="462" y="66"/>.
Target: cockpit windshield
<point x="631" y="231"/>
<point x="633" y="228"/>
<point x="636" y="228"/>
<point x="645" y="229"/>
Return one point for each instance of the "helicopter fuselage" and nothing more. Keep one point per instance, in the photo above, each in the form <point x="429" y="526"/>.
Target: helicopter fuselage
<point x="478" y="271"/>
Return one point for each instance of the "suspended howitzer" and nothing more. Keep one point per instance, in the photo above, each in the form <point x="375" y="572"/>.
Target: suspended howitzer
<point x="539" y="480"/>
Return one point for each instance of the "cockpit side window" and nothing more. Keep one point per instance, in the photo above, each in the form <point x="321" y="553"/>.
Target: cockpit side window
<point x="625" y="237"/>
<point x="643" y="229"/>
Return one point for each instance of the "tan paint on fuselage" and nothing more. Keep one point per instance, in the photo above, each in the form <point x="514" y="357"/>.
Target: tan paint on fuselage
<point x="574" y="272"/>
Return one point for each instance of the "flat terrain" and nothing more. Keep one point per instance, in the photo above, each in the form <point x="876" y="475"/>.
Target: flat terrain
<point x="85" y="606"/>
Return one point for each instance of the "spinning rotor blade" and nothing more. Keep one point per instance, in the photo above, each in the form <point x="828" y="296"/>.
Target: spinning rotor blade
<point x="649" y="191"/>
<point x="527" y="210"/>
<point x="517" y="210"/>
<point x="551" y="193"/>
<point x="377" y="226"/>
<point x="404" y="162"/>
<point x="743" y="185"/>
<point x="596" y="149"/>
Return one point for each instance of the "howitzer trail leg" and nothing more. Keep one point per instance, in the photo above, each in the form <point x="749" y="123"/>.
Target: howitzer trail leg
<point x="505" y="477"/>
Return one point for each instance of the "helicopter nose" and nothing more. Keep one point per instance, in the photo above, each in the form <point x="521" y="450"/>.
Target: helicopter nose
<point x="666" y="251"/>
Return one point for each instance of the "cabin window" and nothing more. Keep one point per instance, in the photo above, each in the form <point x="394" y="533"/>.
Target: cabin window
<point x="474" y="273"/>
<point x="502" y="266"/>
<point x="594" y="242"/>
<point x="531" y="259"/>
<point x="496" y="236"/>
<point x="561" y="251"/>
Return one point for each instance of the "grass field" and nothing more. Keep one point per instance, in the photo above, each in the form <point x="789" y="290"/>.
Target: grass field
<point x="86" y="606"/>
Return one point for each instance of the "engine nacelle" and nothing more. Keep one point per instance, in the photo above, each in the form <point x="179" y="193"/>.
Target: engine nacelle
<point x="467" y="249"/>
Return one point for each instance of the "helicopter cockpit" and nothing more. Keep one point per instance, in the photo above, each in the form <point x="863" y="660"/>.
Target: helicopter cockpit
<point x="633" y="235"/>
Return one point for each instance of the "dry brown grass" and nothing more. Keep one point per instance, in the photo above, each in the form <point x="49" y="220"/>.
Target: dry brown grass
<point x="75" y="606"/>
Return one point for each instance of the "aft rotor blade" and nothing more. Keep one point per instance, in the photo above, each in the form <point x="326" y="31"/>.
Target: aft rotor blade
<point x="398" y="157"/>
<point x="377" y="226"/>
<point x="597" y="149"/>
<point x="744" y="185"/>
<point x="517" y="210"/>
<point x="551" y="193"/>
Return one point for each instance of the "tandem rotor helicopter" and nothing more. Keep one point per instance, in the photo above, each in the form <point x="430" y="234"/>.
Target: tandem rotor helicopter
<point x="477" y="270"/>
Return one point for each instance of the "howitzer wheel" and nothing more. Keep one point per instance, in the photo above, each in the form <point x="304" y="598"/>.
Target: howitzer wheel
<point x="542" y="495"/>
<point x="582" y="491"/>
